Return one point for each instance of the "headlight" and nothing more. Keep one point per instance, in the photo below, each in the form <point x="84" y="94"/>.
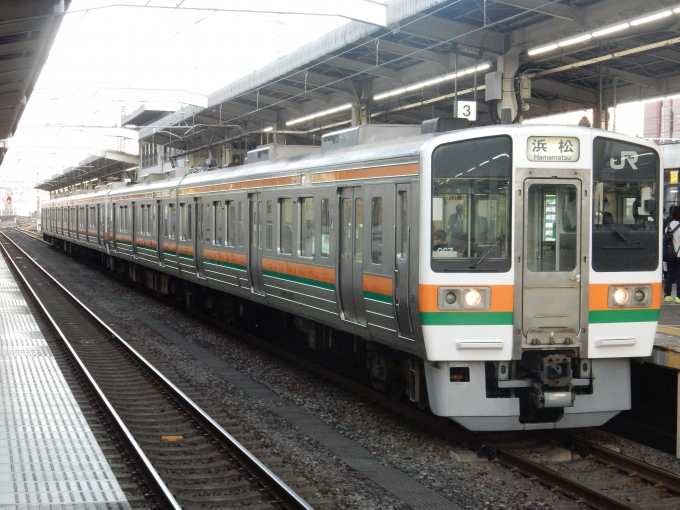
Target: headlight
<point x="472" y="297"/>
<point x="463" y="298"/>
<point x="621" y="296"/>
<point x="630" y="296"/>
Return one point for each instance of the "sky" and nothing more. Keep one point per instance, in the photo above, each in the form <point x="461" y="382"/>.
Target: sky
<point x="108" y="60"/>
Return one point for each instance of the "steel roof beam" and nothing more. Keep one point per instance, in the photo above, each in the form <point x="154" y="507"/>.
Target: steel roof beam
<point x="441" y="30"/>
<point x="297" y="91"/>
<point x="355" y="65"/>
<point x="265" y="101"/>
<point x="596" y="16"/>
<point x="569" y="13"/>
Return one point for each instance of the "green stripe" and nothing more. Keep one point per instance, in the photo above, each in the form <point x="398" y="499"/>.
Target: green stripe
<point x="626" y="315"/>
<point x="140" y="247"/>
<point x="170" y="252"/>
<point x="466" y="318"/>
<point x="378" y="297"/>
<point x="124" y="243"/>
<point x="231" y="265"/>
<point x="185" y="256"/>
<point x="299" y="279"/>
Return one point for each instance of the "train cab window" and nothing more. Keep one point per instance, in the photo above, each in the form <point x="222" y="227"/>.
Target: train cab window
<point x="307" y="227"/>
<point x="471" y="200"/>
<point x="625" y="206"/>
<point x="286" y="224"/>
<point x="231" y="223"/>
<point x="269" y="232"/>
<point x="240" y="233"/>
<point x="325" y="227"/>
<point x="376" y="229"/>
<point x="218" y="216"/>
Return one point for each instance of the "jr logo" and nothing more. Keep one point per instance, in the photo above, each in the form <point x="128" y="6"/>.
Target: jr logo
<point x="630" y="156"/>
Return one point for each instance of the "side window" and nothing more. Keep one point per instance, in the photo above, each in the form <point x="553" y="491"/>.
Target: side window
<point x="152" y="220"/>
<point x="166" y="220"/>
<point x="307" y="227"/>
<point x="286" y="226"/>
<point x="359" y="222"/>
<point x="182" y="222"/>
<point x="376" y="229"/>
<point x="269" y="234"/>
<point x="173" y="222"/>
<point x="207" y="224"/>
<point x="231" y="223"/>
<point x="121" y="217"/>
<point x="218" y="223"/>
<point x="325" y="227"/>
<point x="240" y="223"/>
<point x="189" y="224"/>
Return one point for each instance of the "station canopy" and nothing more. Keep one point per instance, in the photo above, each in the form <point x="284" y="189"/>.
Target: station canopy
<point x="94" y="170"/>
<point x="27" y="32"/>
<point x="567" y="55"/>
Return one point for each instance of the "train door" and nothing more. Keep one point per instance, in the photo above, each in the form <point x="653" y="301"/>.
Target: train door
<point x="351" y="254"/>
<point x="201" y="219"/>
<point x="402" y="278"/>
<point x="255" y="242"/>
<point x="551" y="273"/>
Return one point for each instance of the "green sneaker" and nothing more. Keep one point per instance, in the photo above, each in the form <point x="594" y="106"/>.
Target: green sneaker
<point x="668" y="299"/>
<point x="677" y="299"/>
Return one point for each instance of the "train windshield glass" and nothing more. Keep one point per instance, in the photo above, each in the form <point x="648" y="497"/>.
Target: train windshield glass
<point x="625" y="206"/>
<point x="471" y="205"/>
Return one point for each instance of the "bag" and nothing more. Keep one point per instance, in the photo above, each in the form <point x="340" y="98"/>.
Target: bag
<point x="669" y="251"/>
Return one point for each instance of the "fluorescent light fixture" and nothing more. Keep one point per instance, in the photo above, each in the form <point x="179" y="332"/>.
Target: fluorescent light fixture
<point x="574" y="40"/>
<point x="269" y="128"/>
<point x="542" y="49"/>
<point x="320" y="114"/>
<point x="611" y="30"/>
<point x="676" y="10"/>
<point x="653" y="17"/>
<point x="433" y="81"/>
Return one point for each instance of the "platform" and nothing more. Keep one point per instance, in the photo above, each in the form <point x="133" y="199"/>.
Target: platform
<point x="49" y="457"/>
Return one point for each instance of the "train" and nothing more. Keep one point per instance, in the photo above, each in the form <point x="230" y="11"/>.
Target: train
<point x="504" y="276"/>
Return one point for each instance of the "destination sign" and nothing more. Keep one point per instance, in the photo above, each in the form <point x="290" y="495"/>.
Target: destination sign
<point x="553" y="149"/>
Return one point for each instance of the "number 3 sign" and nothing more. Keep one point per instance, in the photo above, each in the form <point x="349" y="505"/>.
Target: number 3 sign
<point x="467" y="110"/>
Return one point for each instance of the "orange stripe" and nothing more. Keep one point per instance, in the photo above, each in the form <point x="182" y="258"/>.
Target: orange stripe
<point x="125" y="239"/>
<point x="599" y="295"/>
<point x="502" y="298"/>
<point x="169" y="246"/>
<point x="366" y="173"/>
<point x="318" y="273"/>
<point x="378" y="284"/>
<point x="226" y="256"/>
<point x="259" y="183"/>
<point x="146" y="242"/>
<point x="186" y="250"/>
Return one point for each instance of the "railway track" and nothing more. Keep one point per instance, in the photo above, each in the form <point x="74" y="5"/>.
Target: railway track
<point x="587" y="473"/>
<point x="187" y="459"/>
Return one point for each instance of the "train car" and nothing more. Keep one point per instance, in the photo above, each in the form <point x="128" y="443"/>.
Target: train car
<point x="503" y="275"/>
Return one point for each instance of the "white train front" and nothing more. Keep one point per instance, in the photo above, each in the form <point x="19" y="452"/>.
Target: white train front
<point x="505" y="275"/>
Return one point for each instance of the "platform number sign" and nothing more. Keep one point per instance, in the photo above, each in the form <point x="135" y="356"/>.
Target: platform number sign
<point x="467" y="110"/>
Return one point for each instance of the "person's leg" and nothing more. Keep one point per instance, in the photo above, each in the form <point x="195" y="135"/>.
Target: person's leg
<point x="668" y="281"/>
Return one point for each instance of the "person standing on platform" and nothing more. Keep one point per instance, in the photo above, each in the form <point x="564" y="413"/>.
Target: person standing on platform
<point x="673" y="267"/>
<point x="666" y="222"/>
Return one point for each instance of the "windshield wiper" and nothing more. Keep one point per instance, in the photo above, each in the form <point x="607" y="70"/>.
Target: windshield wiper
<point x="610" y="223"/>
<point x="486" y="252"/>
